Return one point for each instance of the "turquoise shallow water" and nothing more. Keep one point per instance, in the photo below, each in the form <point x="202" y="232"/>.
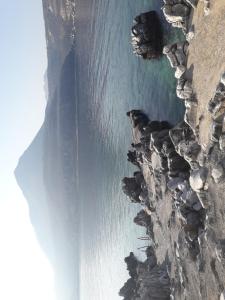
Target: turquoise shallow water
<point x="113" y="82"/>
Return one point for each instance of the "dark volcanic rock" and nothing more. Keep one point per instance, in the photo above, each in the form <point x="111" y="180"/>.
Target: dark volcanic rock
<point x="149" y="280"/>
<point x="142" y="219"/>
<point x="147" y="35"/>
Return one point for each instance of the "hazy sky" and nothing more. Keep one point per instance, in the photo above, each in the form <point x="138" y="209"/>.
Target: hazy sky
<point x="25" y="273"/>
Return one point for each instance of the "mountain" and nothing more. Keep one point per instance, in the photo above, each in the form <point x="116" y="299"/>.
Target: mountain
<point x="47" y="171"/>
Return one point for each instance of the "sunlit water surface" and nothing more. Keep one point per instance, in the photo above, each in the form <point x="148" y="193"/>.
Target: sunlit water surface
<point x="117" y="82"/>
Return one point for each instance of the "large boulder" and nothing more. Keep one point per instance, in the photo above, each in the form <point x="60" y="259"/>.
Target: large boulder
<point x="180" y="70"/>
<point x="138" y="118"/>
<point x="222" y="296"/>
<point x="128" y="290"/>
<point x="184" y="88"/>
<point x="147" y="35"/>
<point x="198" y="179"/>
<point x="181" y="132"/>
<point x="223" y="79"/>
<point x="177" y="13"/>
<point x="177" y="163"/>
<point x="218" y="172"/>
<point x="142" y="219"/>
<point x="174" y="183"/>
<point x="131" y="188"/>
<point x="132" y="264"/>
<point x="216" y="131"/>
<point x="222" y="142"/>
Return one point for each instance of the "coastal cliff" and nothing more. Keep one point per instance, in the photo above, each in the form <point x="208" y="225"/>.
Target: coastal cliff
<point x="182" y="167"/>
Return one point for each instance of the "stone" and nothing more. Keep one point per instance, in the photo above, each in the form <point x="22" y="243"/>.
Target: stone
<point x="176" y="54"/>
<point x="167" y="149"/>
<point x="189" y="150"/>
<point x="173" y="184"/>
<point x="216" y="106"/>
<point x="198" y="178"/>
<point x="158" y="138"/>
<point x="184" y="185"/>
<point x="222" y="80"/>
<point x="216" y="131"/>
<point x="143" y="219"/>
<point x="180" y="71"/>
<point x="190" y="35"/>
<point x="222" y="296"/>
<point x="177" y="195"/>
<point x="201" y="158"/>
<point x="149" y="280"/>
<point x="131" y="188"/>
<point x="177" y="163"/>
<point x="144" y="197"/>
<point x="176" y="13"/>
<point x="217" y="173"/>
<point x="147" y="35"/>
<point x="189" y="198"/>
<point x="184" y="89"/>
<point x="222" y="142"/>
<point x="180" y="54"/>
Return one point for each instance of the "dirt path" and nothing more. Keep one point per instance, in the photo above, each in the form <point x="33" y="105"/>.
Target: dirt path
<point x="206" y="59"/>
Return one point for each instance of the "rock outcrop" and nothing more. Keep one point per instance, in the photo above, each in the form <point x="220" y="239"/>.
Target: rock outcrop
<point x="149" y="280"/>
<point x="184" y="171"/>
<point x="176" y="54"/>
<point x="177" y="12"/>
<point x="147" y="35"/>
<point x="175" y="172"/>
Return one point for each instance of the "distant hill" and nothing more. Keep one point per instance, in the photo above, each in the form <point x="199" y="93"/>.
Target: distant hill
<point x="47" y="171"/>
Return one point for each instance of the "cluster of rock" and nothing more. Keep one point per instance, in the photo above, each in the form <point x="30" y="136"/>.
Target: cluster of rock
<point x="201" y="217"/>
<point x="172" y="166"/>
<point x="148" y="280"/>
<point x="174" y="154"/>
<point x="177" y="12"/>
<point x="177" y="56"/>
<point x="168" y="154"/>
<point x="147" y="35"/>
<point x="216" y="108"/>
<point x="155" y="145"/>
<point x="180" y="177"/>
<point x="135" y="188"/>
<point x="189" y="190"/>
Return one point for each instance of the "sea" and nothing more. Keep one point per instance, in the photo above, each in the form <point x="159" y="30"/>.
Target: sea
<point x="111" y="80"/>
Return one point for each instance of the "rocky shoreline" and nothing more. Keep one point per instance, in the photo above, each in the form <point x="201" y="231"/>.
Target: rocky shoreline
<point x="180" y="184"/>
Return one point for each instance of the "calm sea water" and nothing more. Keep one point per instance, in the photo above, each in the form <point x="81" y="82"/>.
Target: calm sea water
<point x="113" y="81"/>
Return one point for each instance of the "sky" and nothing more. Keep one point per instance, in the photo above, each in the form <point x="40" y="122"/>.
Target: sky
<point x="25" y="272"/>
